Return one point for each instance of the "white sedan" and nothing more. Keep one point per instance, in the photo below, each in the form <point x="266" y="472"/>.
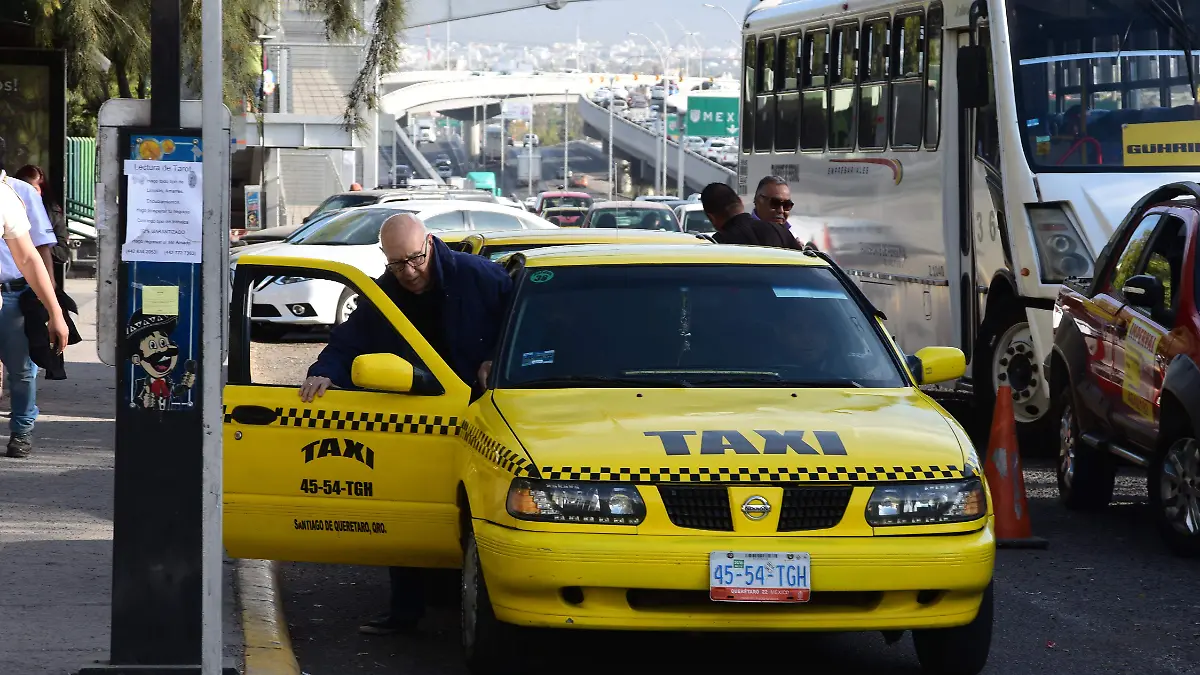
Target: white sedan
<point x="693" y="219"/>
<point x="352" y="237"/>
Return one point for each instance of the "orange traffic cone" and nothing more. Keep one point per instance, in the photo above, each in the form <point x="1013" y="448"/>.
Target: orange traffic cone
<point x="1006" y="479"/>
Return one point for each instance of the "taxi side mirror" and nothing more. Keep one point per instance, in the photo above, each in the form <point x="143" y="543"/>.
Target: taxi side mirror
<point x="383" y="372"/>
<point x="938" y="364"/>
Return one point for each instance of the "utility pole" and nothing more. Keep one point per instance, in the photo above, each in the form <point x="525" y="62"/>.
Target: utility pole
<point x="612" y="169"/>
<point x="567" y="139"/>
<point x="529" y="144"/>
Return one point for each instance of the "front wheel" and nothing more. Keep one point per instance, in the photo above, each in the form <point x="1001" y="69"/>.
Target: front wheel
<point x="1007" y="356"/>
<point x="962" y="650"/>
<point x="487" y="643"/>
<point x="1174" y="490"/>
<point x="1085" y="474"/>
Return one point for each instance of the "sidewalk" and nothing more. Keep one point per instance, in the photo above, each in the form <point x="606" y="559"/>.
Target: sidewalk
<point x="56" y="520"/>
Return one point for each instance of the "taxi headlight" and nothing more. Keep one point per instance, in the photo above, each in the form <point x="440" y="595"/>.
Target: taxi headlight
<point x="927" y="503"/>
<point x="575" y="502"/>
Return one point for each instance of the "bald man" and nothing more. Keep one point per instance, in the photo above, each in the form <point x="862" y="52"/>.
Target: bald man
<point x="456" y="301"/>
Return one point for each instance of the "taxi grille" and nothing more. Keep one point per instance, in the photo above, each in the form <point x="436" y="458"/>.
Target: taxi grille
<point x="696" y="507"/>
<point x="813" y="508"/>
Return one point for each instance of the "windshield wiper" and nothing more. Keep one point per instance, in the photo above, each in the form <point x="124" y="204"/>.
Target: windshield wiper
<point x="604" y="381"/>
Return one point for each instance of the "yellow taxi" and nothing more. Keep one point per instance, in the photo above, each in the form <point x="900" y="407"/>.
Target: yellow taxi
<point x="497" y="244"/>
<point x="719" y="438"/>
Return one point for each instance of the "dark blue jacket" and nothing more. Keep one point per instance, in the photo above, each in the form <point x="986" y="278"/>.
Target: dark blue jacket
<point x="475" y="291"/>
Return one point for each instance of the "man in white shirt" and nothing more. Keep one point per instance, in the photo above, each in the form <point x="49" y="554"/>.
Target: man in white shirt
<point x="25" y="227"/>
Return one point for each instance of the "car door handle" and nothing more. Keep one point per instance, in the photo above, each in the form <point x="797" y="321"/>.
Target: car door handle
<point x="254" y="414"/>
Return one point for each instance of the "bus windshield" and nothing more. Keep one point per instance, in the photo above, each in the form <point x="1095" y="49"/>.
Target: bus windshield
<point x="1102" y="85"/>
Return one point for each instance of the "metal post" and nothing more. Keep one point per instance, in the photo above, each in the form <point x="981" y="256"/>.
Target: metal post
<point x="679" y="168"/>
<point x="567" y="139"/>
<point x="612" y="169"/>
<point x="164" y="53"/>
<point x="530" y="146"/>
<point x="213" y="293"/>
<point x="262" y="140"/>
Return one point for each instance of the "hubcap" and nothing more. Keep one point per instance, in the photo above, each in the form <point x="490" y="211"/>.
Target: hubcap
<point x="1066" y="447"/>
<point x="348" y="307"/>
<point x="1179" y="486"/>
<point x="1014" y="364"/>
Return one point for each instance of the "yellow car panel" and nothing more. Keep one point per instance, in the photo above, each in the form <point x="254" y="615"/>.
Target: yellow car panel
<point x="749" y="443"/>
<point x="508" y="241"/>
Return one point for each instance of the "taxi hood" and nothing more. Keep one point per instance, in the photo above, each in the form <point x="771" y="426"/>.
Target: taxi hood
<point x="716" y="432"/>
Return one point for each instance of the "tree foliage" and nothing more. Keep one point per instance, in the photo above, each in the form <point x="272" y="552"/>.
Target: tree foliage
<point x="119" y="31"/>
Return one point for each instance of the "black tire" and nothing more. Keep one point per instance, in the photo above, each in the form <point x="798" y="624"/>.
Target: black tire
<point x="488" y="645"/>
<point x="263" y="331"/>
<point x="1085" y="475"/>
<point x="962" y="650"/>
<point x="1035" y="438"/>
<point x="1180" y="450"/>
<point x="338" y="318"/>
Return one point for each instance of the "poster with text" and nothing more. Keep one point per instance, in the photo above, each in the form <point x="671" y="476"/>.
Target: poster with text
<point x="25" y="115"/>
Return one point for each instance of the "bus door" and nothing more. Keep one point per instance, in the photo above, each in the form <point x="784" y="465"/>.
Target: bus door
<point x="981" y="197"/>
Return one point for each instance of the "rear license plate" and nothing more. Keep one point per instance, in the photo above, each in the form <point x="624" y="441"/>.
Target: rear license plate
<point x="735" y="576"/>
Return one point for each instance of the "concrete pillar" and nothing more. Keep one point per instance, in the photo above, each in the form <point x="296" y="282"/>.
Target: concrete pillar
<point x="474" y="141"/>
<point x="370" y="169"/>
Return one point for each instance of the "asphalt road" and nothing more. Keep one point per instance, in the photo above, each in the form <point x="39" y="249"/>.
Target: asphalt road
<point x="1105" y="597"/>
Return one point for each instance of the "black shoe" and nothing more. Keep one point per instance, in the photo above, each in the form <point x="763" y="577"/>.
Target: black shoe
<point x="385" y="624"/>
<point x="20" y="446"/>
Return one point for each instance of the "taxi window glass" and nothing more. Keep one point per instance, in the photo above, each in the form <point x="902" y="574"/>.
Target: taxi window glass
<point x="552" y="202"/>
<point x="291" y="318"/>
<point x="352" y="228"/>
<point x="635" y="219"/>
<point x="497" y="252"/>
<point x="691" y="325"/>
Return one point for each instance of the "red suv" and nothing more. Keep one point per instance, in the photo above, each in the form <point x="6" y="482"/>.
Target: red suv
<point x="1124" y="370"/>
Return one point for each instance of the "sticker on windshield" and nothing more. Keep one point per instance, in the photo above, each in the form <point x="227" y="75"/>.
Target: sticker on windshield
<point x="537" y="358"/>
<point x="541" y="276"/>
<point x="818" y="293"/>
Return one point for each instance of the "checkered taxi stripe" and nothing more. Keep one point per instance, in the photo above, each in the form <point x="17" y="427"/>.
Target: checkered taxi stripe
<point x="497" y="454"/>
<point x="837" y="474"/>
<point x="346" y="420"/>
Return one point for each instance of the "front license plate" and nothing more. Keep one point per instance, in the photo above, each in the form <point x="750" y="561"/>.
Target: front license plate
<point x="735" y="576"/>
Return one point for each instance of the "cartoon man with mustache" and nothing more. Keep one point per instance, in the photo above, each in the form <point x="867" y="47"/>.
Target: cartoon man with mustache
<point x="149" y="340"/>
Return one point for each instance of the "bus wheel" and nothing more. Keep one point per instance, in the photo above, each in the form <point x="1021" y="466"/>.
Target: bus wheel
<point x="1011" y="359"/>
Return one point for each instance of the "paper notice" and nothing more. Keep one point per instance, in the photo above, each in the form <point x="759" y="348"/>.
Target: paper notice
<point x="160" y="300"/>
<point x="164" y="218"/>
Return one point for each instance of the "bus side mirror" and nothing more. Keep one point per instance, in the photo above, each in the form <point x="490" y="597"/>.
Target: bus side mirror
<point x="973" y="77"/>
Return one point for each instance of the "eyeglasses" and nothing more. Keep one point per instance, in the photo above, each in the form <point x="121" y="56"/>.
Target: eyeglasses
<point x="415" y="260"/>
<point x="785" y="204"/>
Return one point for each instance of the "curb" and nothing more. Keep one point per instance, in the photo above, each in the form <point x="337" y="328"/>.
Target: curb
<point x="267" y="643"/>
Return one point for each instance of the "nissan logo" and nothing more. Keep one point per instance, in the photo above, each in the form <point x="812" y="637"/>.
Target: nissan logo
<point x="756" y="508"/>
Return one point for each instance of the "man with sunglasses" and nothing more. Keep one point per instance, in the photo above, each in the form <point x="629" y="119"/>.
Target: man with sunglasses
<point x="773" y="201"/>
<point x="734" y="226"/>
<point x="456" y="301"/>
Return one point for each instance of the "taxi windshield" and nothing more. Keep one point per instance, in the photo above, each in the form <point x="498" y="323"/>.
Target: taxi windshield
<point x="553" y="202"/>
<point x="634" y="218"/>
<point x="691" y="326"/>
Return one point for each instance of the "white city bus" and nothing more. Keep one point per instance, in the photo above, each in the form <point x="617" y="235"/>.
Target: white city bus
<point x="961" y="203"/>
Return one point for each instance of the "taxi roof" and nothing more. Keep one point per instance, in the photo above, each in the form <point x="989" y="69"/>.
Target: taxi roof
<point x="581" y="237"/>
<point x="647" y="254"/>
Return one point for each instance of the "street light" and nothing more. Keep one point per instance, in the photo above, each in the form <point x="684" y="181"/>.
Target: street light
<point x="736" y="23"/>
<point x="662" y="111"/>
<point x="263" y="39"/>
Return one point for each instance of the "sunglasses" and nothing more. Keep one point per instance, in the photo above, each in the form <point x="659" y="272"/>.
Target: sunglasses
<point x="785" y="204"/>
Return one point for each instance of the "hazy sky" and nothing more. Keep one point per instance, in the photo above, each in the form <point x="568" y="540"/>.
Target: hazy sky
<point x="605" y="20"/>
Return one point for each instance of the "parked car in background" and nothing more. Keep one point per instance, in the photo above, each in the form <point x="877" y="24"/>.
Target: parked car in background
<point x="553" y="198"/>
<point x="691" y="216"/>
<point x="643" y="215"/>
<point x="1125" y="367"/>
<point x="565" y="216"/>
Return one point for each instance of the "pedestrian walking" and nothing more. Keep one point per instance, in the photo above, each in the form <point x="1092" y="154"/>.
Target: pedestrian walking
<point x="61" y="253"/>
<point x="734" y="226"/>
<point x="24" y="263"/>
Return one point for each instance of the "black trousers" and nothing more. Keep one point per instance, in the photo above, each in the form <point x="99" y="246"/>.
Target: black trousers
<point x="408" y="592"/>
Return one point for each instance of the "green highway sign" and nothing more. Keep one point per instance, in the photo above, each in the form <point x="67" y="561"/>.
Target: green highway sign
<point x="672" y="126"/>
<point x="712" y="116"/>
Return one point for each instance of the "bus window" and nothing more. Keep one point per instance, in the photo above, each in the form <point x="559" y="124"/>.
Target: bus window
<point x="764" y="123"/>
<point x="933" y="72"/>
<point x="872" y="102"/>
<point x="749" y="63"/>
<point x="842" y="87"/>
<point x="787" y="102"/>
<point x="987" y="125"/>
<point x="908" y="67"/>
<point x="815" y="77"/>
